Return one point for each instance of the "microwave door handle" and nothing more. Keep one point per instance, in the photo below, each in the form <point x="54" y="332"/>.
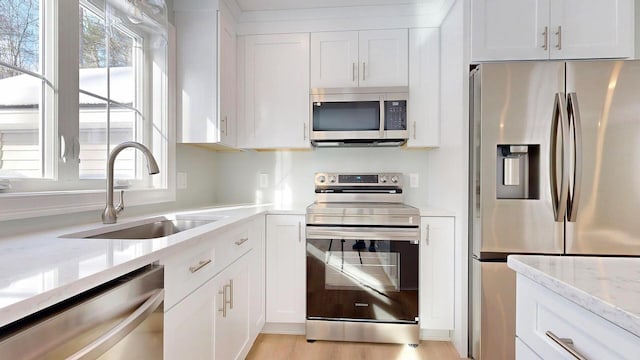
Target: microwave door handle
<point x="122" y="329"/>
<point x="382" y="117"/>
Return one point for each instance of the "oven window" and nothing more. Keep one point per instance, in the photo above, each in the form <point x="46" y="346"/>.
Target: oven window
<point x="351" y="270"/>
<point x="362" y="279"/>
<point x="346" y="116"/>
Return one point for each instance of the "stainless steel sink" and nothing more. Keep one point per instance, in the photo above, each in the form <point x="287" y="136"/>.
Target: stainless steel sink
<point x="152" y="230"/>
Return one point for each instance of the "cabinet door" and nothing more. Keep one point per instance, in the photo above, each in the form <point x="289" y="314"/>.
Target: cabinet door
<point x="276" y="91"/>
<point x="286" y="271"/>
<point x="437" y="273"/>
<point x="424" y="87"/>
<point x="334" y="59"/>
<point x="383" y="57"/>
<point x="197" y="76"/>
<point x="509" y="29"/>
<point x="188" y="326"/>
<point x="231" y="332"/>
<point x="591" y="29"/>
<point x="227" y="76"/>
<point x="257" y="288"/>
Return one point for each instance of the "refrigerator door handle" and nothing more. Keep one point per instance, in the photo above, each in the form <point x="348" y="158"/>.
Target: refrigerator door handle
<point x="559" y="122"/>
<point x="574" y="194"/>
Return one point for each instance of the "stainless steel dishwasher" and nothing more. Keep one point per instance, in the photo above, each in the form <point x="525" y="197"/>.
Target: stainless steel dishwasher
<point x="122" y="319"/>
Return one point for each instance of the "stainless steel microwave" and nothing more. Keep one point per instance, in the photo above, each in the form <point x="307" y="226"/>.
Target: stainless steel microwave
<point x="359" y="116"/>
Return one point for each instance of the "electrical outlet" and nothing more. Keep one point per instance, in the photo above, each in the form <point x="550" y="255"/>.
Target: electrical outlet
<point x="264" y="180"/>
<point x="182" y="180"/>
<point x="414" y="180"/>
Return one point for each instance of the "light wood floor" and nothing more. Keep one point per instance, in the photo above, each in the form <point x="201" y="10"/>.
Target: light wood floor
<point x="295" y="347"/>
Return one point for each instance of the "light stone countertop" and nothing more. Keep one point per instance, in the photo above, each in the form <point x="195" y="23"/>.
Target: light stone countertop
<point x="606" y="286"/>
<point x="40" y="269"/>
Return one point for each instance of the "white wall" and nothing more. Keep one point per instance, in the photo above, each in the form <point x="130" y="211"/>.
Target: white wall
<point x="637" y="25"/>
<point x="291" y="173"/>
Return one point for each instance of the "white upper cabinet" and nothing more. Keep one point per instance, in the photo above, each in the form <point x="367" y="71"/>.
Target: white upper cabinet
<point x="591" y="29"/>
<point x="424" y="88"/>
<point x="546" y="29"/>
<point x="274" y="83"/>
<point x="334" y="59"/>
<point x="227" y="81"/>
<point x="206" y="75"/>
<point x="359" y="58"/>
<point x="384" y="57"/>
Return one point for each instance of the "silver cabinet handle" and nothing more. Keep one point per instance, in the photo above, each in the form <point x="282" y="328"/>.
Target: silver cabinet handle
<point x="201" y="264"/>
<point x="299" y="232"/>
<point x="354" y="72"/>
<point x="566" y="344"/>
<point x="364" y="69"/>
<point x="428" y="235"/>
<point x="304" y="131"/>
<point x="574" y="116"/>
<point x="414" y="130"/>
<point x="230" y="294"/>
<point x="559" y="34"/>
<point x="223" y="292"/>
<point x="118" y="332"/>
<point x="559" y="122"/>
<point x="241" y="241"/>
<point x="545" y="36"/>
<point x="223" y="128"/>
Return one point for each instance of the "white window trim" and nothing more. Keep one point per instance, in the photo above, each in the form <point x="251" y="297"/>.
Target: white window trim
<point x="24" y="205"/>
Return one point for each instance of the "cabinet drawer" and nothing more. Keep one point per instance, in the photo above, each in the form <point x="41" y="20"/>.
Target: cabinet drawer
<point x="523" y="352"/>
<point x="188" y="270"/>
<point x="542" y="314"/>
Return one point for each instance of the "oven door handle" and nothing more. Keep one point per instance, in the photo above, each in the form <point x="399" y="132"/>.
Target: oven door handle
<point x="363" y="233"/>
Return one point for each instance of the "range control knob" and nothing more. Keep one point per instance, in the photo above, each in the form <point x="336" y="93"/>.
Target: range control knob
<point x="332" y="179"/>
<point x="322" y="179"/>
<point x="383" y="179"/>
<point x="394" y="179"/>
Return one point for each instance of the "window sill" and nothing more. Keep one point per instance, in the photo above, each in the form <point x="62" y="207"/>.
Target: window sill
<point x="15" y="206"/>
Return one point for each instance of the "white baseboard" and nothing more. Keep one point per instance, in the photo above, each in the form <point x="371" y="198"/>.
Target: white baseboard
<point x="284" y="328"/>
<point x="437" y="335"/>
<point x="299" y="329"/>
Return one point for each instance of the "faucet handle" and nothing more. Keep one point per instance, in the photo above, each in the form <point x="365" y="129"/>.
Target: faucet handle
<point x="120" y="206"/>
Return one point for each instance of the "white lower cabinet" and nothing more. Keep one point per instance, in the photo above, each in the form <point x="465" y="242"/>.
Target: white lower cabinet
<point x="551" y="327"/>
<point x="286" y="269"/>
<point x="257" y="278"/>
<point x="221" y="317"/>
<point x="437" y="273"/>
<point x="213" y="322"/>
<point x="231" y="335"/>
<point x="189" y="326"/>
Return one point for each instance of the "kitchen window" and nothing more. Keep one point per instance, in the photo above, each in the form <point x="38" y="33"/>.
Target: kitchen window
<point x="62" y="111"/>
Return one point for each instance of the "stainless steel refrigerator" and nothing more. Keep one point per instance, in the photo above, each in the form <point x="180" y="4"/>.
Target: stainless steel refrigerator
<point x="554" y="169"/>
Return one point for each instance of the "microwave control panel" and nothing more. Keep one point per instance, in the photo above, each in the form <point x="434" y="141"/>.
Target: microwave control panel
<point x="395" y="115"/>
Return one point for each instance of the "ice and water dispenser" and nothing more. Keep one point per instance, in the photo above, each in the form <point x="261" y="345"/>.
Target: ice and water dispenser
<point x="518" y="171"/>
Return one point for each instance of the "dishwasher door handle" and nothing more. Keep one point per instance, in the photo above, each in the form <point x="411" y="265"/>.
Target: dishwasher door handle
<point x="118" y="332"/>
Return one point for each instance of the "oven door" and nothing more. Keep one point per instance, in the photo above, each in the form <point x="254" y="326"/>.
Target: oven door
<point x="362" y="273"/>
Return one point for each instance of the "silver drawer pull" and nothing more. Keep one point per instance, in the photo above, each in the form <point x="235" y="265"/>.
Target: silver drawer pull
<point x="241" y="241"/>
<point x="200" y="265"/>
<point x="566" y="344"/>
<point x="223" y="292"/>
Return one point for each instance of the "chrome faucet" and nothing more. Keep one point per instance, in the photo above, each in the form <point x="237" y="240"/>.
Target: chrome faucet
<point x="110" y="213"/>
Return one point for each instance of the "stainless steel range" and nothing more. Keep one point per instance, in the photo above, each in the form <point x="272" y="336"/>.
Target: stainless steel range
<point x="362" y="260"/>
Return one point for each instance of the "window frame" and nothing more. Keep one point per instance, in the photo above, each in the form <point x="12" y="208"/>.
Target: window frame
<point x="43" y="197"/>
